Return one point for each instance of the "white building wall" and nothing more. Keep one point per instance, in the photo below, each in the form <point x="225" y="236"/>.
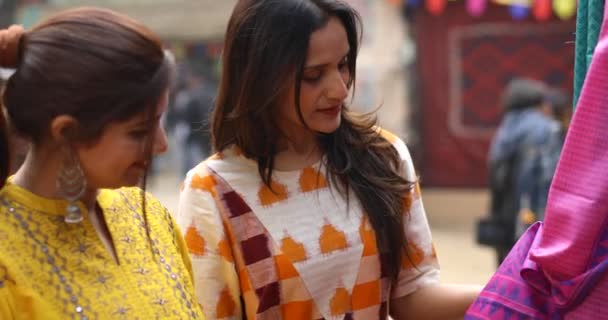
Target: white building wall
<point x="384" y="54"/>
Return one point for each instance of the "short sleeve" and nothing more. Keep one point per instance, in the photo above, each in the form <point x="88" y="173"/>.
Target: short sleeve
<point x="215" y="278"/>
<point x="420" y="266"/>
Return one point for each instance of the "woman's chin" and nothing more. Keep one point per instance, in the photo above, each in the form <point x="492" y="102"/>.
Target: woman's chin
<point x="328" y="128"/>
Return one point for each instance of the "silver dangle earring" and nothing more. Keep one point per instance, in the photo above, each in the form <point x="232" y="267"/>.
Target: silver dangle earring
<point x="71" y="184"/>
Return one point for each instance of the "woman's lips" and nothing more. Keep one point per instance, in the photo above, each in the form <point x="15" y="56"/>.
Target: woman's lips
<point x="332" y="111"/>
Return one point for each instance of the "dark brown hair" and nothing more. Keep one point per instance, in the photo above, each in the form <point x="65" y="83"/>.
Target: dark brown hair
<point x="522" y="93"/>
<point x="265" y="50"/>
<point x="4" y="145"/>
<point x="93" y="64"/>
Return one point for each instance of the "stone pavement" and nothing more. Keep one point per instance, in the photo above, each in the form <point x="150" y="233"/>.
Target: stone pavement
<point x="451" y="213"/>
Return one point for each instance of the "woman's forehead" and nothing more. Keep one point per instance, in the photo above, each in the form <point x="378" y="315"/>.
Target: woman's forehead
<point x="328" y="44"/>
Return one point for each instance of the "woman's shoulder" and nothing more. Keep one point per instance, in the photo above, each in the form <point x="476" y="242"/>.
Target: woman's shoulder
<point x="132" y="199"/>
<point x="402" y="149"/>
<point x="203" y="169"/>
<point x="227" y="164"/>
<point x="397" y="143"/>
<point x="126" y="194"/>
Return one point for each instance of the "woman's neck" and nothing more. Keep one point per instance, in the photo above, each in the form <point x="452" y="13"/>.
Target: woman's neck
<point x="38" y="174"/>
<point x="298" y="152"/>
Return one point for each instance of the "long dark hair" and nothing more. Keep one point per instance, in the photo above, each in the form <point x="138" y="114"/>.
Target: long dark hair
<point x="265" y="46"/>
<point x="4" y="146"/>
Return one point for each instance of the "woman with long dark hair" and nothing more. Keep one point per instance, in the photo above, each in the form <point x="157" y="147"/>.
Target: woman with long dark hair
<point x="78" y="239"/>
<point x="307" y="210"/>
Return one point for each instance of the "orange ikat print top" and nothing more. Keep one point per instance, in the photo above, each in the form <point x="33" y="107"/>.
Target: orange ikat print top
<point x="296" y="252"/>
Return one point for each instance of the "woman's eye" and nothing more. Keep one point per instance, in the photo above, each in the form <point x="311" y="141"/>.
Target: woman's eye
<point x="138" y="134"/>
<point x="312" y="76"/>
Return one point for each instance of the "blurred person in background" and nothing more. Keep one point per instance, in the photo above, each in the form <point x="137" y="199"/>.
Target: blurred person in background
<point x="308" y="210"/>
<point x="78" y="239"/>
<point x="515" y="160"/>
<point x="189" y="120"/>
<point x="558" y="106"/>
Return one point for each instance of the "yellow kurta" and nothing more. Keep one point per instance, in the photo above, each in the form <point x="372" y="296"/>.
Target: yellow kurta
<point x="53" y="270"/>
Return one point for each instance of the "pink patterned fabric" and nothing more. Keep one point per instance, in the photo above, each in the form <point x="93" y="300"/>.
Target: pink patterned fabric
<point x="558" y="268"/>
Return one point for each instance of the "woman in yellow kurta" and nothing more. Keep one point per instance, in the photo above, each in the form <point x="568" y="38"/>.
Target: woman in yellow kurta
<point x="78" y="240"/>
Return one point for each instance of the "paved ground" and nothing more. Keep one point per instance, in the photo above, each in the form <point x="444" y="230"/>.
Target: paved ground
<point x="451" y="213"/>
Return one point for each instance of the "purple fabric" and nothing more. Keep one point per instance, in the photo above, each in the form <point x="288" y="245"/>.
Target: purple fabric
<point x="558" y="268"/>
<point x="509" y="295"/>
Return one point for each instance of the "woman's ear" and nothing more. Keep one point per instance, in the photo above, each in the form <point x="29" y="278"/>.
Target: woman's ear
<point x="64" y="128"/>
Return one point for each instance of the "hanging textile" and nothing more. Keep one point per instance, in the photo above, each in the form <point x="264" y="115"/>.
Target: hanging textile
<point x="588" y="24"/>
<point x="557" y="269"/>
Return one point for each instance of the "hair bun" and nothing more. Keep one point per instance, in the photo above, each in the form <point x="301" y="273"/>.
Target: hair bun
<point x="9" y="46"/>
